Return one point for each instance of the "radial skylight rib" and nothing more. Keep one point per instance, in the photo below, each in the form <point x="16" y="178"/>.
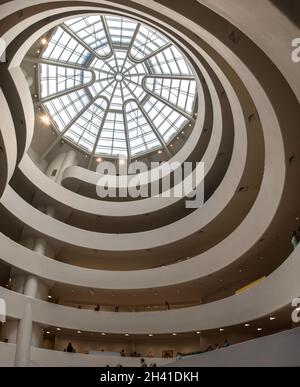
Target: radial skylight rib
<point x="146" y="43"/>
<point x="63" y="48"/>
<point x="84" y="131"/>
<point x="92" y="32"/>
<point x="141" y="136"/>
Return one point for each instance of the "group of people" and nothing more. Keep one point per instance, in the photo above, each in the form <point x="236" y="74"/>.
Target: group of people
<point x="143" y="364"/>
<point x="218" y="346"/>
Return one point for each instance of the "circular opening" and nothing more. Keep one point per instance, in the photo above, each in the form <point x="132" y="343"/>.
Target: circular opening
<point x="115" y="87"/>
<point x="119" y="77"/>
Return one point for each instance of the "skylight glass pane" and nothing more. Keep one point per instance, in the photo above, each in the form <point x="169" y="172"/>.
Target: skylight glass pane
<point x="64" y="48"/>
<point x="147" y="42"/>
<point x="179" y="92"/>
<point x="57" y="79"/>
<point x="64" y="109"/>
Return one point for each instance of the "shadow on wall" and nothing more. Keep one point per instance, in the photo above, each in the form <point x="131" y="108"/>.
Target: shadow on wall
<point x="291" y="8"/>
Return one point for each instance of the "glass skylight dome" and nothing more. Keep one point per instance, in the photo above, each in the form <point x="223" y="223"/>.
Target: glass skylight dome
<point x="115" y="87"/>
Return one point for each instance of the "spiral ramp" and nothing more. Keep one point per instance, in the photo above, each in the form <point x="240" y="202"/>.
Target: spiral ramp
<point x="171" y="272"/>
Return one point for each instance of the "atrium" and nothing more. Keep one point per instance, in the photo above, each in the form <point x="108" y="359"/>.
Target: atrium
<point x="149" y="185"/>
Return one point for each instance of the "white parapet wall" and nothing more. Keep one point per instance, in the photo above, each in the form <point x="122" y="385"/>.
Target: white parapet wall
<point x="279" y="350"/>
<point x="50" y="358"/>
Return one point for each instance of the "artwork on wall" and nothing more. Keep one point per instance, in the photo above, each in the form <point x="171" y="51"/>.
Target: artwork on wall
<point x="167" y="354"/>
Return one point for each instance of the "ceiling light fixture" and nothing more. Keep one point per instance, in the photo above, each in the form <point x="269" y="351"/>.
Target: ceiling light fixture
<point x="45" y="120"/>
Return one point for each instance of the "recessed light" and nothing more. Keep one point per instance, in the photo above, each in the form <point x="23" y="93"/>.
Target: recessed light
<point x="99" y="160"/>
<point x="221" y="330"/>
<point x="259" y="329"/>
<point x="58" y="329"/>
<point x="159" y="152"/>
<point x="45" y="120"/>
<point x="272" y="318"/>
<point x="79" y="332"/>
<point x="150" y="335"/>
<point x="48" y="333"/>
<point x="247" y="325"/>
<point x="174" y="334"/>
<point x="50" y="297"/>
<point x="198" y="333"/>
<point x="127" y="335"/>
<point x="44" y="41"/>
<point x="103" y="334"/>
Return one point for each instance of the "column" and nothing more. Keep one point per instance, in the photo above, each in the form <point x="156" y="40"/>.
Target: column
<point x="50" y="211"/>
<point x="54" y="167"/>
<point x="29" y="333"/>
<point x="24" y="336"/>
<point x="69" y="160"/>
<point x="32" y="282"/>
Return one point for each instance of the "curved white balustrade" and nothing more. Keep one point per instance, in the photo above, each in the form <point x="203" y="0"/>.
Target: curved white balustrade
<point x="8" y="134"/>
<point x="50" y="358"/>
<point x="271" y="295"/>
<point x="274" y="38"/>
